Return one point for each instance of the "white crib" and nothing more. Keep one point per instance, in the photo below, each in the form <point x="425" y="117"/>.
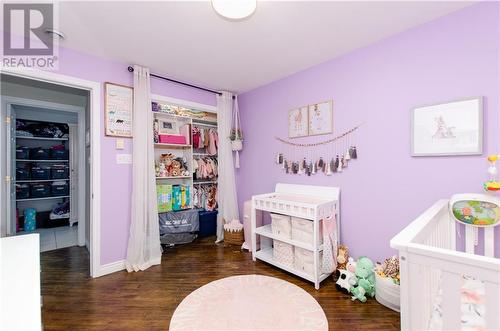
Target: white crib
<point x="430" y="264"/>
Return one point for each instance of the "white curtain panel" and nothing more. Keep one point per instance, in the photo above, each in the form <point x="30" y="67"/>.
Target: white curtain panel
<point x="228" y="202"/>
<point x="144" y="249"/>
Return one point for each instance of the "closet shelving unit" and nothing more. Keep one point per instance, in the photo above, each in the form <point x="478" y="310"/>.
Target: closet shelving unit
<point x="32" y="141"/>
<point x="313" y="203"/>
<point x="185" y="150"/>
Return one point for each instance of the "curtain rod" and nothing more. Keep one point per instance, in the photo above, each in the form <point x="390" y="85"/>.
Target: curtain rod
<point x="131" y="69"/>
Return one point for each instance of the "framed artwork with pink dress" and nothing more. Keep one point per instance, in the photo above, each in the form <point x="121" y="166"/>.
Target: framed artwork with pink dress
<point x="298" y="123"/>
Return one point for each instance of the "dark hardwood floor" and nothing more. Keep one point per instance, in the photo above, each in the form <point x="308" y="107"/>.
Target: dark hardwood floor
<point x="146" y="300"/>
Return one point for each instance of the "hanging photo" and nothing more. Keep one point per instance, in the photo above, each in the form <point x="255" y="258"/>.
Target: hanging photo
<point x="297" y="122"/>
<point x="321" y="118"/>
<point x="454" y="128"/>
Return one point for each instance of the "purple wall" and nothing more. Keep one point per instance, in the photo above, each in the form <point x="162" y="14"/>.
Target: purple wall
<point x="116" y="186"/>
<point x="453" y="57"/>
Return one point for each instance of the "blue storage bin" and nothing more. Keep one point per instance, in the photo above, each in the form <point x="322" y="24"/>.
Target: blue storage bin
<point x="22" y="152"/>
<point x="41" y="173"/>
<point x="40" y="190"/>
<point x="208" y="223"/>
<point x="59" y="171"/>
<point x="59" y="154"/>
<point x="59" y="189"/>
<point x="39" y="153"/>
<point x="22" y="191"/>
<point x="29" y="219"/>
<point x="22" y="173"/>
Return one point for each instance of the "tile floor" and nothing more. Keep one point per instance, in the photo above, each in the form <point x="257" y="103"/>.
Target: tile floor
<point x="55" y="238"/>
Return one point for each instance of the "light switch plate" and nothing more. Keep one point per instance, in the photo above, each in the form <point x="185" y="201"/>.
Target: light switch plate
<point x="123" y="158"/>
<point x="120" y="143"/>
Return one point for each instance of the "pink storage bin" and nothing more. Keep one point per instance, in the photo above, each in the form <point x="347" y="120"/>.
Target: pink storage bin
<point x="172" y="139"/>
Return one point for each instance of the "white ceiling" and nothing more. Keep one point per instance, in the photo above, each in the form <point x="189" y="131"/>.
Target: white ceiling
<point x="188" y="41"/>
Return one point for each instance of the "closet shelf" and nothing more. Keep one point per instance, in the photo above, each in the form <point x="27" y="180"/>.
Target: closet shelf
<point x="160" y="145"/>
<point x="53" y="161"/>
<point x="46" y="198"/>
<point x="200" y="182"/>
<point x="204" y="154"/>
<point x="41" y="138"/>
<point x="174" y="177"/>
<point x="41" y="180"/>
<point x="205" y="124"/>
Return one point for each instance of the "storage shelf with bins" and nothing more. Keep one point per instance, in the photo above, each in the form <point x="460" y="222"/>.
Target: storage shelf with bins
<point x="183" y="150"/>
<point x="43" y="202"/>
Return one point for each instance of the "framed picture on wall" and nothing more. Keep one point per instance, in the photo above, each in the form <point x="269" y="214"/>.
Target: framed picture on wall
<point x="297" y="122"/>
<point x="452" y="128"/>
<point x="321" y="118"/>
<point x="118" y="109"/>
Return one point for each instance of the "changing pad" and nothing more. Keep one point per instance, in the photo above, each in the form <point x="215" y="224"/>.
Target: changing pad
<point x="472" y="307"/>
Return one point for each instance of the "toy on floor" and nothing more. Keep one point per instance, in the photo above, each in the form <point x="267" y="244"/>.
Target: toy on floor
<point x="351" y="265"/>
<point x="342" y="257"/>
<point x="365" y="276"/>
<point x="345" y="281"/>
<point x="389" y="269"/>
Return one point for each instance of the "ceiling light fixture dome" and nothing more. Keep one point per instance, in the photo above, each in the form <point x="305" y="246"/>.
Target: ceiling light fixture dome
<point x="234" y="9"/>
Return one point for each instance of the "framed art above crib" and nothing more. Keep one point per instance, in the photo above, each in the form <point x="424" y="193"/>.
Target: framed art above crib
<point x="452" y="128"/>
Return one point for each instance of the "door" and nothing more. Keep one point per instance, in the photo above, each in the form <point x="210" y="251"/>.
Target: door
<point x="10" y="174"/>
<point x="73" y="173"/>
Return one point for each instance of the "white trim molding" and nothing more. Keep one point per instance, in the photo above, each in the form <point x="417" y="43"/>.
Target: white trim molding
<point x="110" y="268"/>
<point x="95" y="105"/>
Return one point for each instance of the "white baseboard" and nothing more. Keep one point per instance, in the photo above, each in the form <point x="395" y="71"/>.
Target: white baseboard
<point x="110" y="268"/>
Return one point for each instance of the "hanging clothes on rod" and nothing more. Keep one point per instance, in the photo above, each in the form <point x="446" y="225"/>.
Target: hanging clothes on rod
<point x="205" y="137"/>
<point x="205" y="168"/>
<point x="205" y="196"/>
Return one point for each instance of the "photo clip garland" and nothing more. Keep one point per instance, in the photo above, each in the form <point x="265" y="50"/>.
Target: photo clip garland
<point x="313" y="158"/>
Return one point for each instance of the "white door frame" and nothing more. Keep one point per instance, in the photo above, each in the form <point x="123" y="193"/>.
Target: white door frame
<point x="80" y="111"/>
<point x="94" y="88"/>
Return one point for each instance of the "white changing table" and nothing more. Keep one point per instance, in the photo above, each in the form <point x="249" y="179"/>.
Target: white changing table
<point x="305" y="201"/>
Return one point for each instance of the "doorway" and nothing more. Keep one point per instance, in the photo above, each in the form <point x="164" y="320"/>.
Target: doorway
<point x="68" y="212"/>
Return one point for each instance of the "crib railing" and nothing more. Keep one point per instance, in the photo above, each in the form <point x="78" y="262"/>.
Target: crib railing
<point x="429" y="261"/>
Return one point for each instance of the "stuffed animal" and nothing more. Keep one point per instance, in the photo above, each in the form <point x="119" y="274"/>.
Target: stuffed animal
<point x="351" y="265"/>
<point x="167" y="159"/>
<point x="176" y="168"/>
<point x="162" y="171"/>
<point x="345" y="281"/>
<point x="342" y="257"/>
<point x="365" y="280"/>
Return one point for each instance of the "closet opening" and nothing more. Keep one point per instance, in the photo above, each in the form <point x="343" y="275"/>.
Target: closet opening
<point x="45" y="143"/>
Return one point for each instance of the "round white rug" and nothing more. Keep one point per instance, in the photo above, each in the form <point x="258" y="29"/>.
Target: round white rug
<point x="249" y="302"/>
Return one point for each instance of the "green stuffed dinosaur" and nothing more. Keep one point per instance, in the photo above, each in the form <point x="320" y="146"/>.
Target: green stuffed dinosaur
<point x="365" y="280"/>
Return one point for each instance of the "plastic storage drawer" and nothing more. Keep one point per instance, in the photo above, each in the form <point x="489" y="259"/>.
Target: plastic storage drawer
<point x="39" y="153"/>
<point x="40" y="190"/>
<point x="60" y="188"/>
<point x="22" y="152"/>
<point x="22" y="173"/>
<point x="22" y="191"/>
<point x="59" y="154"/>
<point x="208" y="224"/>
<point x="40" y="173"/>
<point x="59" y="171"/>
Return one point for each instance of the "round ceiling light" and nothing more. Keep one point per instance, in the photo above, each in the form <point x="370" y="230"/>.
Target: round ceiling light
<point x="234" y="9"/>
